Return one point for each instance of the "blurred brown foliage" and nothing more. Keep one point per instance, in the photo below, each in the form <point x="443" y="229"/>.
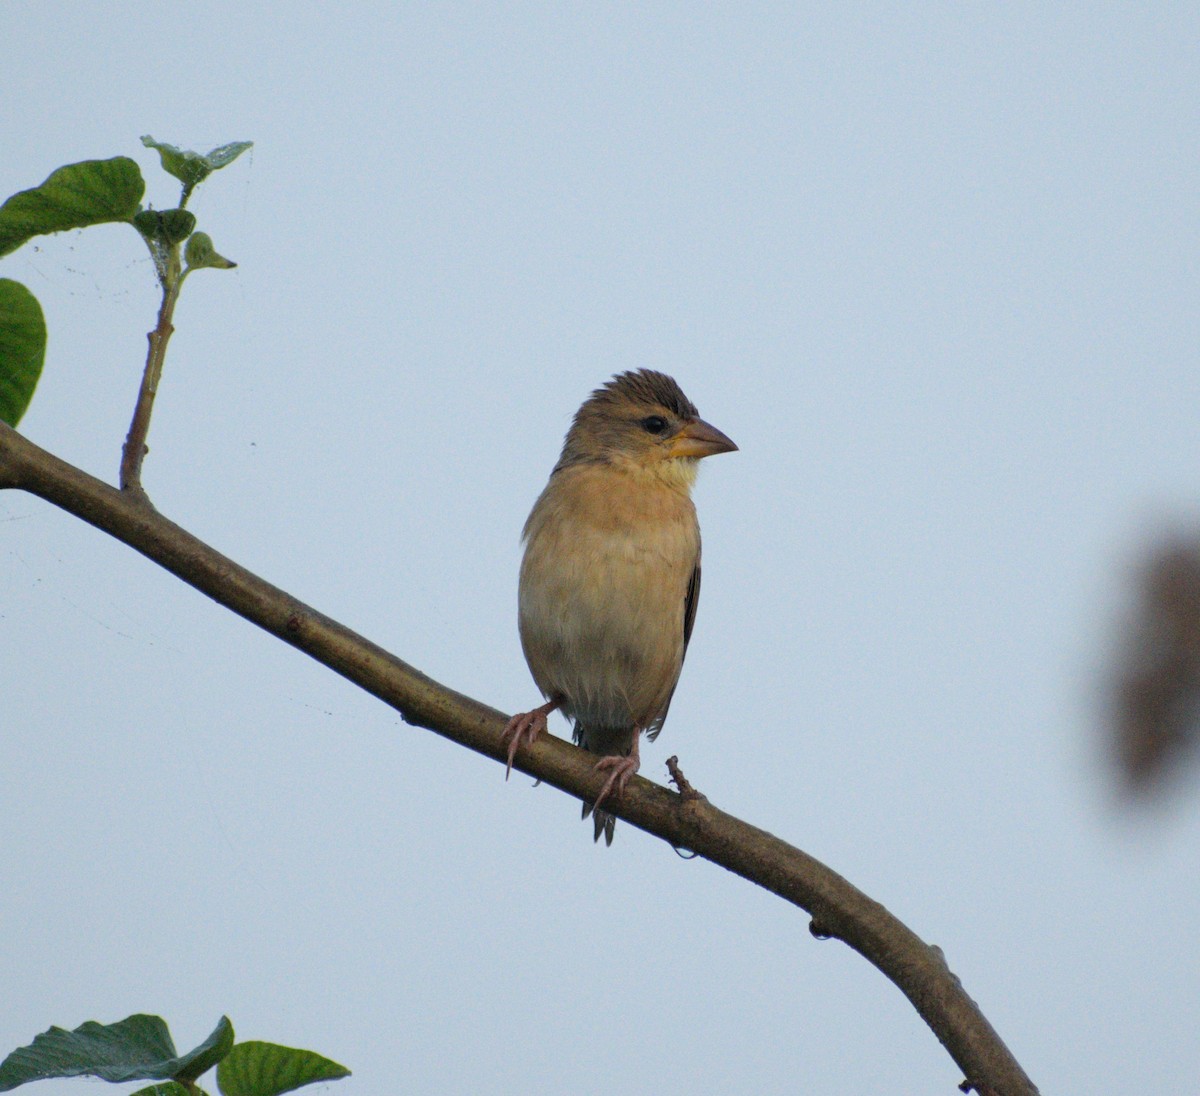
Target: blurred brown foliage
<point x="1156" y="720"/>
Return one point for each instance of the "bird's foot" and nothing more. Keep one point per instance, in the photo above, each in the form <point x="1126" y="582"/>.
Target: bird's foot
<point x="523" y="730"/>
<point x="620" y="770"/>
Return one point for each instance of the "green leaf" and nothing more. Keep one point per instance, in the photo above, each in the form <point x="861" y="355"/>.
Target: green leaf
<point x="207" y="1054"/>
<point x="167" y="1088"/>
<point x="147" y="223"/>
<point x="134" y="1049"/>
<point x="265" y="1069"/>
<point x="93" y="192"/>
<point x="200" y="253"/>
<point x="22" y="348"/>
<point x="165" y="226"/>
<point x="192" y="168"/>
<point x="224" y="155"/>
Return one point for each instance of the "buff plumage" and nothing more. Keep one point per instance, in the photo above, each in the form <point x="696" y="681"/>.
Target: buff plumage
<point x="611" y="573"/>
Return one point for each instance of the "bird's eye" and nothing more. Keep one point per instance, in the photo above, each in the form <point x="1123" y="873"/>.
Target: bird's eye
<point x="654" y="424"/>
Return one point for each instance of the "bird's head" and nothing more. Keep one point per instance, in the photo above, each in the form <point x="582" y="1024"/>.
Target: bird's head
<point x="642" y="422"/>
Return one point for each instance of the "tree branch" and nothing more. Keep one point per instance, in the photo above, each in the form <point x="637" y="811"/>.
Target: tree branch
<point x="838" y="909"/>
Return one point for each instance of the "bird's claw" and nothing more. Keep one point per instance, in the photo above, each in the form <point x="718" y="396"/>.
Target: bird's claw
<point x="523" y="730"/>
<point x="620" y="770"/>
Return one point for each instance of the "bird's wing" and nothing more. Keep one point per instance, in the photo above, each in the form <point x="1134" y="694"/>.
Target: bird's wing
<point x="690" y="600"/>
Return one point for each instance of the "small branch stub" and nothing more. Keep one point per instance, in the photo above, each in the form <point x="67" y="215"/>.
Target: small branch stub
<point x="686" y="791"/>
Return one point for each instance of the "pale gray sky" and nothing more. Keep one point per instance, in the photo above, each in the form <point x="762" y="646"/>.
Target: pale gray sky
<point x="932" y="267"/>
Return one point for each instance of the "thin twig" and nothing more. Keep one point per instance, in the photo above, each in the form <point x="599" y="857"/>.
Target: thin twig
<point x="135" y="448"/>
<point x="840" y="909"/>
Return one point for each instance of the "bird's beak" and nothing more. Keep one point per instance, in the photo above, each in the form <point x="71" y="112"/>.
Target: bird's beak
<point x="700" y="439"/>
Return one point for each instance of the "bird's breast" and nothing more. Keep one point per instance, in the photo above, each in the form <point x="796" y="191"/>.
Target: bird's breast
<point x="603" y="586"/>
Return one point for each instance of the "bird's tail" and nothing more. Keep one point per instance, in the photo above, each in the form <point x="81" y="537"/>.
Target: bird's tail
<point x="605" y="741"/>
<point x="603" y="822"/>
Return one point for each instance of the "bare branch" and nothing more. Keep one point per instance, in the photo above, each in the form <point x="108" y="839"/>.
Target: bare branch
<point x="838" y="909"/>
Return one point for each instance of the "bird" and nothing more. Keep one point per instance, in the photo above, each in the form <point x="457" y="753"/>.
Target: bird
<point x="610" y="576"/>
